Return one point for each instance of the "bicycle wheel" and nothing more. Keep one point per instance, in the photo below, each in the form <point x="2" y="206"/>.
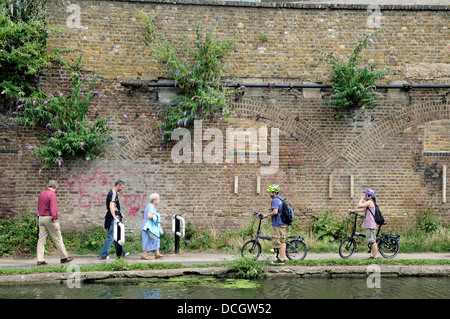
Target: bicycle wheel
<point x="252" y="248"/>
<point x="347" y="247"/>
<point x="388" y="247"/>
<point x="296" y="249"/>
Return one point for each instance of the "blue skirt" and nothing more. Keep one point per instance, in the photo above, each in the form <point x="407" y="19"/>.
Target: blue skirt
<point x="149" y="244"/>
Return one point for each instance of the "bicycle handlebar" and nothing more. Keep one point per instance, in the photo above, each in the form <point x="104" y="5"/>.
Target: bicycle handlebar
<point x="258" y="214"/>
<point x="352" y="212"/>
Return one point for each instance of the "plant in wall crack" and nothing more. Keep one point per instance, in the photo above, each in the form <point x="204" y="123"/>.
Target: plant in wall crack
<point x="64" y="118"/>
<point x="24" y="29"/>
<point x="61" y="118"/>
<point x="353" y="82"/>
<point x="197" y="70"/>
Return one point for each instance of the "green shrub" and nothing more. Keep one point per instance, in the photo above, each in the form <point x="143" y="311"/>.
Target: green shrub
<point x="427" y="222"/>
<point x="197" y="70"/>
<point x="24" y="29"/>
<point x="247" y="268"/>
<point x="354" y="81"/>
<point x="329" y="228"/>
<point x="18" y="236"/>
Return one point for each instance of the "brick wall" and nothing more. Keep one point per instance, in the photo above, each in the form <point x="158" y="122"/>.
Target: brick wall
<point x="398" y="148"/>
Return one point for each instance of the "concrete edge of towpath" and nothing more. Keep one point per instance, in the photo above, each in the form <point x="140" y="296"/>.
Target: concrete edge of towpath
<point x="329" y="271"/>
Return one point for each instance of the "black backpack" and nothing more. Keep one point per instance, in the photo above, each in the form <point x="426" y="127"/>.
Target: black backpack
<point x="378" y="216"/>
<point x="287" y="213"/>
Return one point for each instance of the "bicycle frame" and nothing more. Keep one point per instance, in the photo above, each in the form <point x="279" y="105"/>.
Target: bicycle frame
<point x="258" y="231"/>
<point x="355" y="233"/>
<point x="294" y="244"/>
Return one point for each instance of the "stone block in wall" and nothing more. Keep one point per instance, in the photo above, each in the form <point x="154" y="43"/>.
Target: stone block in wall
<point x="397" y="94"/>
<point x="427" y="71"/>
<point x="311" y="93"/>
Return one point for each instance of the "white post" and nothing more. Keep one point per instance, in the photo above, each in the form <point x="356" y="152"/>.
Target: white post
<point x="352" y="185"/>
<point x="444" y="183"/>
<point x="330" y="187"/>
<point x="258" y="184"/>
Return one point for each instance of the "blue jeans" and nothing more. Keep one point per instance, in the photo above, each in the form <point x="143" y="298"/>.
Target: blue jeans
<point x="108" y="242"/>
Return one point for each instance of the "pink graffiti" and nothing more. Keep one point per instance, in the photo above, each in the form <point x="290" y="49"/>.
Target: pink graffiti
<point x="83" y="184"/>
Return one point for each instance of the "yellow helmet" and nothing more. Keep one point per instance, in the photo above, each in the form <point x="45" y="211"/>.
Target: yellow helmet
<point x="274" y="188"/>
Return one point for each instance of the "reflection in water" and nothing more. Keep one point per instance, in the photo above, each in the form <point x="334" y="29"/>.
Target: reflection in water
<point x="271" y="288"/>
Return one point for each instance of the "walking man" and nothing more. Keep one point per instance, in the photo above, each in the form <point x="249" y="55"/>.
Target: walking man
<point x="278" y="227"/>
<point x="113" y="213"/>
<point x="48" y="224"/>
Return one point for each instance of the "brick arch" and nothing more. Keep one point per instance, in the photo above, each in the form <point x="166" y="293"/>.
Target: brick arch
<point x="292" y="124"/>
<point x="417" y="114"/>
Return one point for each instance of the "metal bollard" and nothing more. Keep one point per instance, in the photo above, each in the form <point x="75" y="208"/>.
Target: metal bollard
<point x="178" y="227"/>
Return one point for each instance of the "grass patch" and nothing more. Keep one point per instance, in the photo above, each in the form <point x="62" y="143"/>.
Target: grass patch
<point x="18" y="237"/>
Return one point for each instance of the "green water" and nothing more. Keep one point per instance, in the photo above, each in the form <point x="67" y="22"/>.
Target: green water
<point x="209" y="288"/>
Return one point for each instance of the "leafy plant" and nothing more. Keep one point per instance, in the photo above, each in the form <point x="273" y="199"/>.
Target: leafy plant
<point x="427" y="222"/>
<point x="263" y="38"/>
<point x="247" y="268"/>
<point x="24" y="29"/>
<point x="64" y="119"/>
<point x="197" y="72"/>
<point x="354" y="82"/>
<point x="18" y="236"/>
<point x="327" y="227"/>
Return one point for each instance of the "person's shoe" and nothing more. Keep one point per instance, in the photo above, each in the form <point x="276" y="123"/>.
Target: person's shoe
<point x="126" y="254"/>
<point x="145" y="258"/>
<point x="160" y="256"/>
<point x="42" y="263"/>
<point x="278" y="262"/>
<point x="107" y="257"/>
<point x="66" y="260"/>
<point x="371" y="258"/>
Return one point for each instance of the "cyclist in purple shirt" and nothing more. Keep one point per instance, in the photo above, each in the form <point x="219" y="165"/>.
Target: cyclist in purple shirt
<point x="367" y="204"/>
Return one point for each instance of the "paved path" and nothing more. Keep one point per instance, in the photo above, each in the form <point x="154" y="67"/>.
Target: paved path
<point x="380" y="2"/>
<point x="188" y="258"/>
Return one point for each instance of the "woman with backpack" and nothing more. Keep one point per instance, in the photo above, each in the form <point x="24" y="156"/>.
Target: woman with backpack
<point x="367" y="204"/>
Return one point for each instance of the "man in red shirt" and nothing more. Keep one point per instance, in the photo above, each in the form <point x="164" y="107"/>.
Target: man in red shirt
<point x="48" y="224"/>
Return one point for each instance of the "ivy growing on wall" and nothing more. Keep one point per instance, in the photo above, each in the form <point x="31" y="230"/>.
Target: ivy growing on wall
<point x="353" y="82"/>
<point x="62" y="118"/>
<point x="197" y="70"/>
<point x="23" y="46"/>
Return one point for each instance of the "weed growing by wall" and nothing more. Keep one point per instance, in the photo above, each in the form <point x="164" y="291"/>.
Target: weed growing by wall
<point x="353" y="82"/>
<point x="66" y="129"/>
<point x="197" y="70"/>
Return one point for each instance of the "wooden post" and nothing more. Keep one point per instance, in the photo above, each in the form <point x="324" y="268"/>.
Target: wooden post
<point x="352" y="185"/>
<point x="330" y="187"/>
<point x="444" y="183"/>
<point x="258" y="184"/>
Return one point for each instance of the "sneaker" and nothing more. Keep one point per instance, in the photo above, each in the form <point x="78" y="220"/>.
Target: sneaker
<point x="126" y="254"/>
<point x="107" y="257"/>
<point x="278" y="262"/>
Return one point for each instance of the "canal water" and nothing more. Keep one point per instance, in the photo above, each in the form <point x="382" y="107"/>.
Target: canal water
<point x="212" y="288"/>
